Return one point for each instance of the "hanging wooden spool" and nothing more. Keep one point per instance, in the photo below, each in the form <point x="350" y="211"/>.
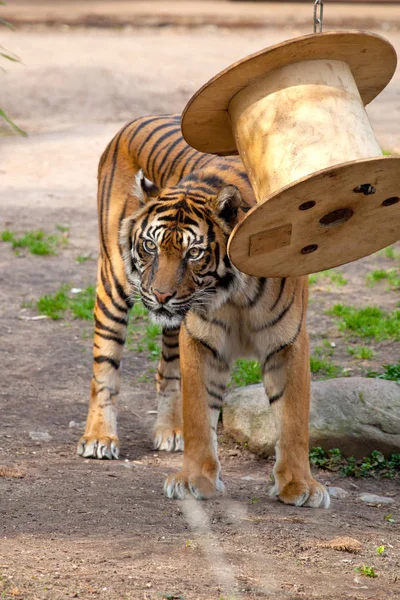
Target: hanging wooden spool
<point x="295" y="114"/>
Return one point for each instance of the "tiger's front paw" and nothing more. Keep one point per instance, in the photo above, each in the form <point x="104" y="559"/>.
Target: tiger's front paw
<point x="98" y="447"/>
<point x="202" y="485"/>
<point x="303" y="492"/>
<point x="168" y="438"/>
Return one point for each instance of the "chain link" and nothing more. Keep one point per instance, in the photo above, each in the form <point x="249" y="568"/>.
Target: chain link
<point x="318" y="15"/>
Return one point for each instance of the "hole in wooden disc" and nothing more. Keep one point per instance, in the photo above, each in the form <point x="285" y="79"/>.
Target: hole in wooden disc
<point x="309" y="249"/>
<point x="390" y="201"/>
<point x="307" y="205"/>
<point x="336" y="217"/>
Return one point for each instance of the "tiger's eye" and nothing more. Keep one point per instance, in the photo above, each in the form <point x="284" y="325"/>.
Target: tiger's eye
<point x="149" y="246"/>
<point x="195" y="252"/>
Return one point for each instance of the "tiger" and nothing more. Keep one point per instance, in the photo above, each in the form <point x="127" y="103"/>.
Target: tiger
<point x="166" y="212"/>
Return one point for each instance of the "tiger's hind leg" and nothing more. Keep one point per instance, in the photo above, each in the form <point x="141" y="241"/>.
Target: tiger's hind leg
<point x="168" y="430"/>
<point x="286" y="376"/>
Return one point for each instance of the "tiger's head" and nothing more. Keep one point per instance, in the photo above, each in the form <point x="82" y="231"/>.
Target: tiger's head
<point x="175" y="246"/>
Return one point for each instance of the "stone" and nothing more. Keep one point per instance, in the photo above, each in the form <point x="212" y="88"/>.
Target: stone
<point x="40" y="436"/>
<point x="337" y="492"/>
<point x="355" y="414"/>
<point x="76" y="425"/>
<point x="247" y="417"/>
<point x="375" y="500"/>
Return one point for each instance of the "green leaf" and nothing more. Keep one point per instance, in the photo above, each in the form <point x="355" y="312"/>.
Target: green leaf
<point x="12" y="57"/>
<point x="6" y="23"/>
<point x="12" y="124"/>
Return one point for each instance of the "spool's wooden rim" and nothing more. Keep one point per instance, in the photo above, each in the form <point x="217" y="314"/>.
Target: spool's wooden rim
<point x="320" y="221"/>
<point x="206" y="124"/>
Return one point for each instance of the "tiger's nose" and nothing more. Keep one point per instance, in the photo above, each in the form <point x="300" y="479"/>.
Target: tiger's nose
<point x="162" y="297"/>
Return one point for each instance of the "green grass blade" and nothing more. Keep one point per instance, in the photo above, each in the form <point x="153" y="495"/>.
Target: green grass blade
<point x="12" y="124"/>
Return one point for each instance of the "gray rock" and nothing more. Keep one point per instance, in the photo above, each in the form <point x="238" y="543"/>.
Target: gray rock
<point x="76" y="425"/>
<point x="375" y="500"/>
<point x="247" y="417"/>
<point x="40" y="436"/>
<point x="337" y="492"/>
<point x="355" y="414"/>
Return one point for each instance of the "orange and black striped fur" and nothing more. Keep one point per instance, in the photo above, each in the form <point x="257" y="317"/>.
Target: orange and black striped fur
<point x="165" y="215"/>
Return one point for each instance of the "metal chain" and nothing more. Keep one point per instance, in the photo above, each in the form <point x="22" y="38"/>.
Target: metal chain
<point x="318" y="15"/>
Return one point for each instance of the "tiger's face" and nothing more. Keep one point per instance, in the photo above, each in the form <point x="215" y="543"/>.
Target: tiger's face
<point x="174" y="248"/>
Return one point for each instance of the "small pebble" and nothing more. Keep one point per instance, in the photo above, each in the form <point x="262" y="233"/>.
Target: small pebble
<point x="375" y="500"/>
<point x="40" y="436"/>
<point x="337" y="492"/>
<point x="254" y="478"/>
<point x="76" y="425"/>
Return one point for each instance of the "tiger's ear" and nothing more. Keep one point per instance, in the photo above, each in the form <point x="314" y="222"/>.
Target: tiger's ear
<point x="227" y="203"/>
<point x="143" y="189"/>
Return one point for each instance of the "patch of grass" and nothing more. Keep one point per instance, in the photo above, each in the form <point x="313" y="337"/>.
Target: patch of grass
<point x="37" y="242"/>
<point x="246" y="372"/>
<point x="366" y="571"/>
<point x="390" y="275"/>
<point x="82" y="303"/>
<point x="333" y="275"/>
<point x="320" y="363"/>
<point x="55" y="305"/>
<point x="139" y="310"/>
<point x="369" y="322"/>
<point x="325" y="460"/>
<point x="391" y="373"/>
<point x="361" y="352"/>
<point x="143" y="335"/>
<point x="372" y="465"/>
<point x="327" y="349"/>
<point x="380" y="550"/>
<point x="83" y="258"/>
<point x="338" y="278"/>
<point x="375" y="276"/>
<point x="63" y="228"/>
<point x="389" y="252"/>
<point x="322" y="366"/>
<point x="6" y="236"/>
<point x="150" y="341"/>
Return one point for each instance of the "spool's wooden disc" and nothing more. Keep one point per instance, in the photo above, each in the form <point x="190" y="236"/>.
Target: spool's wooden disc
<point x="320" y="222"/>
<point x="206" y="123"/>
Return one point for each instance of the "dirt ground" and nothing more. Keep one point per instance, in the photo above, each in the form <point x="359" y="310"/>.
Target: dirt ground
<point x="73" y="528"/>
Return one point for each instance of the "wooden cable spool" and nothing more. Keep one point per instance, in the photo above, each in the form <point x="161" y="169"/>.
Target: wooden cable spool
<point x="295" y="114"/>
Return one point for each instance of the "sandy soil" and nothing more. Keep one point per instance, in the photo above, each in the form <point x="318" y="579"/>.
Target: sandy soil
<point x="88" y="529"/>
